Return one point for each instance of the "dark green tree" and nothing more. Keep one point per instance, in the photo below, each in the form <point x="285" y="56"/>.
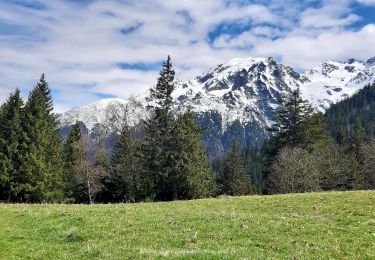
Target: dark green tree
<point x="158" y="141"/>
<point x="358" y="136"/>
<point x="289" y="120"/>
<point x="123" y="183"/>
<point x="191" y="177"/>
<point x="314" y="134"/>
<point x="12" y="147"/>
<point x="233" y="179"/>
<point x="43" y="167"/>
<point x="73" y="156"/>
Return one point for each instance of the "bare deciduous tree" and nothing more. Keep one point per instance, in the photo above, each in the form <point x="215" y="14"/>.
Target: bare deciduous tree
<point x="294" y="171"/>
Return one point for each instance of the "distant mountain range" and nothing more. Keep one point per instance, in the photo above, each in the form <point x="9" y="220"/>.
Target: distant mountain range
<point x="233" y="99"/>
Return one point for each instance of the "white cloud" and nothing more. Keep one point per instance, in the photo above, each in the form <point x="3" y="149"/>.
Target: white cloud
<point x="78" y="46"/>
<point x="366" y="2"/>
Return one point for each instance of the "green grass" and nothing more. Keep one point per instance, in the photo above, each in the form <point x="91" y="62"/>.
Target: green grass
<point x="314" y="225"/>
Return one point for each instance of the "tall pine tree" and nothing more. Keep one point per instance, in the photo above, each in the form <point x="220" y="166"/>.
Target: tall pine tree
<point x="73" y="155"/>
<point x="123" y="183"/>
<point x="12" y="147"/>
<point x="289" y="120"/>
<point x="158" y="142"/>
<point x="191" y="176"/>
<point x="233" y="179"/>
<point x="43" y="166"/>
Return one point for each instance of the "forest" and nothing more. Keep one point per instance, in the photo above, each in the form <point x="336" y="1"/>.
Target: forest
<point x="308" y="151"/>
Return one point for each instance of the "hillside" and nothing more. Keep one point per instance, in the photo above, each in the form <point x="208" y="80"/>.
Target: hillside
<point x="360" y="106"/>
<point x="312" y="225"/>
<point x="233" y="99"/>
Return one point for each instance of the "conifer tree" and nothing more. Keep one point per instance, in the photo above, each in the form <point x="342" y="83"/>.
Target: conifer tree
<point x="233" y="179"/>
<point x="43" y="165"/>
<point x="191" y="176"/>
<point x="123" y="183"/>
<point x="358" y="137"/>
<point x="341" y="138"/>
<point x="314" y="133"/>
<point x="12" y="146"/>
<point x="158" y="142"/>
<point x="289" y="119"/>
<point x="73" y="156"/>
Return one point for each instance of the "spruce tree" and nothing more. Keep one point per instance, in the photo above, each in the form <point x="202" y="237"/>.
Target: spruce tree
<point x="12" y="146"/>
<point x="314" y="132"/>
<point x="73" y="155"/>
<point x="158" y="142"/>
<point x="191" y="176"/>
<point x="289" y="120"/>
<point x="233" y="179"/>
<point x="123" y="184"/>
<point x="43" y="166"/>
<point x="358" y="137"/>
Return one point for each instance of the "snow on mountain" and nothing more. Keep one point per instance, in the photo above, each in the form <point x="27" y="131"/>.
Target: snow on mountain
<point x="107" y="112"/>
<point x="241" y="93"/>
<point x="333" y="81"/>
<point x="240" y="89"/>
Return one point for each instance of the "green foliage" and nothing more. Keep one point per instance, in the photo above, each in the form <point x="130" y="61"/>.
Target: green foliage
<point x="123" y="183"/>
<point x="314" y="132"/>
<point x="254" y="165"/>
<point x="43" y="165"/>
<point x="233" y="179"/>
<point x="158" y="144"/>
<point x="367" y="175"/>
<point x="358" y="136"/>
<point x="360" y="106"/>
<point x="297" y="126"/>
<point x="191" y="176"/>
<point x="74" y="156"/>
<point x="290" y="119"/>
<point x="12" y="147"/>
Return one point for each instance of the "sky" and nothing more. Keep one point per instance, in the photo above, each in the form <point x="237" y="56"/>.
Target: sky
<point x="95" y="49"/>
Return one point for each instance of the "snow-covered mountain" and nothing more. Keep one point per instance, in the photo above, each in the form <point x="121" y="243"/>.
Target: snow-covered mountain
<point x="236" y="98"/>
<point x="333" y="81"/>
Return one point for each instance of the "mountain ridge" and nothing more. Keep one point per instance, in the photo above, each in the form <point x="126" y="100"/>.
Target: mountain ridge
<point x="240" y="93"/>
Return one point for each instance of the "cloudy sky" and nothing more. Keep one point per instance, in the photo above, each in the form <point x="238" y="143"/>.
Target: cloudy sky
<point x="91" y="50"/>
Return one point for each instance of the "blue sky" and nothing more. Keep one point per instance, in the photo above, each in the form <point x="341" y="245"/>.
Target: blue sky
<point x="98" y="49"/>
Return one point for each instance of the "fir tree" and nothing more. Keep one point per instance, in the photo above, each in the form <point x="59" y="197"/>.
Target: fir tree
<point x="291" y="125"/>
<point x="357" y="138"/>
<point x="289" y="118"/>
<point x="43" y="166"/>
<point x="158" y="142"/>
<point x="12" y="146"/>
<point x="191" y="176"/>
<point x="123" y="184"/>
<point x="314" y="133"/>
<point x="73" y="156"/>
<point x="233" y="179"/>
<point x="341" y="137"/>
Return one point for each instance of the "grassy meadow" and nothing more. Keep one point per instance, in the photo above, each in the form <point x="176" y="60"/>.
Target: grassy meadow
<point x="312" y="225"/>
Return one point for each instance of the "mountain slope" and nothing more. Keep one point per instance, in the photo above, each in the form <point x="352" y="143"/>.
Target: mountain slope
<point x="333" y="81"/>
<point x="235" y="99"/>
<point x="360" y="106"/>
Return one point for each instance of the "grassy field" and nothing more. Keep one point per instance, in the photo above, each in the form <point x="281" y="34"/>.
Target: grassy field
<point x="315" y="225"/>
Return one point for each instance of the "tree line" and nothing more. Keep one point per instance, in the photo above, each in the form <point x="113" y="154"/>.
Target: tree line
<point x="169" y="161"/>
<point x="303" y="156"/>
